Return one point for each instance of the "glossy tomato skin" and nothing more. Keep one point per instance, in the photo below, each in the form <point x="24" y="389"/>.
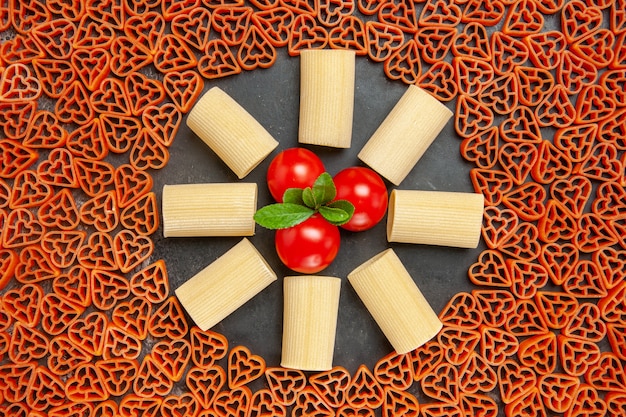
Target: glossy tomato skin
<point x="367" y="191"/>
<point x="308" y="247"/>
<point x="293" y="168"/>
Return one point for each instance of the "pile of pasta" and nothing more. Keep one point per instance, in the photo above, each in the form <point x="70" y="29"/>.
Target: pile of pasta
<point x="88" y="323"/>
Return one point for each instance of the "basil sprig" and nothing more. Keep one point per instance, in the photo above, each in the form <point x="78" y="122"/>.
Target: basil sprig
<point x="300" y="204"/>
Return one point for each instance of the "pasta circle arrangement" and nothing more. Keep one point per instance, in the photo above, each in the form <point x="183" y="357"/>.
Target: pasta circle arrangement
<point x="93" y="97"/>
<point x="308" y="340"/>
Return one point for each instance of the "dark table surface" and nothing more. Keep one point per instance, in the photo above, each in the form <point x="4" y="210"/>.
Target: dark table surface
<point x="272" y="97"/>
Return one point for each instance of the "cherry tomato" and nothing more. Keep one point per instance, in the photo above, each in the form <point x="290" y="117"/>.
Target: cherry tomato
<point x="293" y="168"/>
<point x="366" y="190"/>
<point x="308" y="247"/>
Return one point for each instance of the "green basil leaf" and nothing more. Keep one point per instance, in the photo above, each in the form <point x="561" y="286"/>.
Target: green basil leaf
<point x="282" y="216"/>
<point x="308" y="198"/>
<point x="344" y="205"/>
<point x="293" y="196"/>
<point x="334" y="216"/>
<point x="324" y="189"/>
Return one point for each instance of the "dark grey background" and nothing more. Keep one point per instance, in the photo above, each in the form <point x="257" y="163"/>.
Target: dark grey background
<point x="272" y="97"/>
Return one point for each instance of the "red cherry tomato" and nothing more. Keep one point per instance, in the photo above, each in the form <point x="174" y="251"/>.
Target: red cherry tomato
<point x="366" y="190"/>
<point x="308" y="247"/>
<point x="293" y="168"/>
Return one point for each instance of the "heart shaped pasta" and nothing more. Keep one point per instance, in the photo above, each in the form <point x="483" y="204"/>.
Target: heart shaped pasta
<point x="66" y="357"/>
<point x="540" y="353"/>
<point x="117" y="375"/>
<point x="151" y="282"/>
<point x="193" y="27"/>
<point x="17" y="83"/>
<point x="100" y="212"/>
<point x="89" y="332"/>
<point x="458" y="343"/>
<point x="146" y="29"/>
<point x="472" y="117"/>
<point x="285" y="384"/>
<point x="172" y="357"/>
<point x="74" y="286"/>
<point x="395" y="371"/>
<point x="205" y="383"/>
<point x="143" y="92"/>
<point x="119" y="344"/>
<point x="86" y="385"/>
<point x="439" y="81"/>
<point x="440" y="13"/>
<point x="477" y="375"/>
<point x="151" y="380"/>
<point x="442" y="383"/>
<point x="108" y="288"/>
<point x="128" y="56"/>
<point x="243" y="366"/>
<point x="495" y="306"/>
<point x="131" y="249"/>
<point x="57" y="314"/>
<point x="523" y="19"/>
<point x="461" y="311"/>
<point x="45" y="390"/>
<point x="27" y="344"/>
<point x="34" y="265"/>
<point x="92" y="66"/>
<point x="168" y="320"/>
<point x="133" y="316"/>
<point x="526" y="320"/>
<point x="174" y="55"/>
<point x="218" y="61"/>
<point x="90" y="34"/>
<point x="515" y="380"/>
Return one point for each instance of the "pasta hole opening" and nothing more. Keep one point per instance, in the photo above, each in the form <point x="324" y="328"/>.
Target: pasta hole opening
<point x="391" y="211"/>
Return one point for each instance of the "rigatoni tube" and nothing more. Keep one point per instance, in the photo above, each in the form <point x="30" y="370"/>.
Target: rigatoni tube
<point x="435" y="218"/>
<point x="225" y="285"/>
<point x="217" y="209"/>
<point x="230" y="131"/>
<point x="310" y="322"/>
<point x="395" y="302"/>
<point x="405" y="134"/>
<point x="326" y="97"/>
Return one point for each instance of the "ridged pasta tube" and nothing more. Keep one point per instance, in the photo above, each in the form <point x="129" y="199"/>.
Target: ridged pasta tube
<point x="394" y="300"/>
<point x="230" y="131"/>
<point x="435" y="218"/>
<point x="310" y="322"/>
<point x="326" y="97"/>
<point x="225" y="285"/>
<point x="405" y="134"/>
<point x="224" y="209"/>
